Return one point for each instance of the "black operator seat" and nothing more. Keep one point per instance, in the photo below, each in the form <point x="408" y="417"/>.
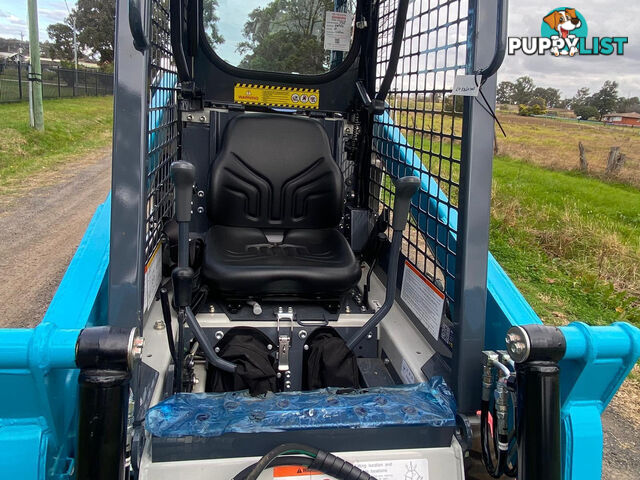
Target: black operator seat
<point x="275" y="201"/>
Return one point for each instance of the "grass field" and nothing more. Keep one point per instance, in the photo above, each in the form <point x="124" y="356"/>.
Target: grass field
<point x="549" y="142"/>
<point x="569" y="242"/>
<point x="74" y="127"/>
<point x="553" y="143"/>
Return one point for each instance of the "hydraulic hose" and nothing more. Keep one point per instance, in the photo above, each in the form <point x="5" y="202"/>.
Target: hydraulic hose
<point x="487" y="459"/>
<point x="290" y="460"/>
<point x="166" y="314"/>
<point x="322" y="461"/>
<point x="211" y="355"/>
<point x="396" y="45"/>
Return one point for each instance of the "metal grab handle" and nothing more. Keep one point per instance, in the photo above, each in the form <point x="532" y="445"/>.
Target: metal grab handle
<point x="501" y="41"/>
<point x="140" y="41"/>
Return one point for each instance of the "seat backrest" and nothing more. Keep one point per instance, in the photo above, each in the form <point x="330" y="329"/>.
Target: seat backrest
<point x="275" y="171"/>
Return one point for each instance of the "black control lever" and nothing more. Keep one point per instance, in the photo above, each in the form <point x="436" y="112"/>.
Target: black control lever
<point x="406" y="188"/>
<point x="183" y="176"/>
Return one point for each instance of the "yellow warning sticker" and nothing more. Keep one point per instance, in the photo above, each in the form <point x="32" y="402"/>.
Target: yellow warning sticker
<point x="275" y="96"/>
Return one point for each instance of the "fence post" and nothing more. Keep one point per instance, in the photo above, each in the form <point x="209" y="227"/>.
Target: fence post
<point x="75" y="81"/>
<point x="86" y="87"/>
<point x="59" y="91"/>
<point x="20" y="78"/>
<point x="96" y="76"/>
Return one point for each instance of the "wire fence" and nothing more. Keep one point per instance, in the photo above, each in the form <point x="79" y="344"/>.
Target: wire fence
<point x="57" y="82"/>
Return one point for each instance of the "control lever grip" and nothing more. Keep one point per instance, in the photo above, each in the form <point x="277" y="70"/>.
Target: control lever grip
<point x="406" y="188"/>
<point x="183" y="175"/>
<point x="182" y="278"/>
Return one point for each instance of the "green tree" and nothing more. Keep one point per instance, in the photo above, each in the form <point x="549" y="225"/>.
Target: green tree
<point x="606" y="99"/>
<point x="61" y="46"/>
<point x="95" y="21"/>
<point x="550" y="95"/>
<point x="286" y="36"/>
<point x="210" y="21"/>
<point x="523" y="90"/>
<point x="631" y="104"/>
<point x="505" y="92"/>
<point x="585" y="112"/>
<point x="581" y="98"/>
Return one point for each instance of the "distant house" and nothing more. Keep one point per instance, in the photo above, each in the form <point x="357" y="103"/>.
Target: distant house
<point x="631" y="119"/>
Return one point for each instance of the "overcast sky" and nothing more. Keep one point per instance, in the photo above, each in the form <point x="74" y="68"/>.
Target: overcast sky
<point x="604" y="18"/>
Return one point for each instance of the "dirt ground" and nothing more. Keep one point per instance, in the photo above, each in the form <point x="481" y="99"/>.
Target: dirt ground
<point x="41" y="229"/>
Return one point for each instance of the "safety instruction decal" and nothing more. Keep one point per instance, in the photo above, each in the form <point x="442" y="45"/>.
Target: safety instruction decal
<point x="337" y="31"/>
<point x="276" y="96"/>
<point x="423" y="298"/>
<point x="152" y="276"/>
<point x="412" y="469"/>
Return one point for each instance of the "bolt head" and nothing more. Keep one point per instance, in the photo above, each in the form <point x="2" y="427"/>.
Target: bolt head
<point x="512" y="337"/>
<point x="200" y="210"/>
<point x="202" y="118"/>
<point x="159" y="325"/>
<point x="136" y="350"/>
<point x="269" y="347"/>
<point x="219" y="335"/>
<point x="200" y="193"/>
<point x="306" y="347"/>
<point x="212" y="309"/>
<point x="302" y="334"/>
<point x="369" y="336"/>
<point x="217" y="349"/>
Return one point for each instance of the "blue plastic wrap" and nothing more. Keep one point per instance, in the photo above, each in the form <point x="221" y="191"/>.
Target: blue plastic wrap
<point x="213" y="414"/>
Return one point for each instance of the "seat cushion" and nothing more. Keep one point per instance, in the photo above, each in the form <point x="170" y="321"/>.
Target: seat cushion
<point x="252" y="262"/>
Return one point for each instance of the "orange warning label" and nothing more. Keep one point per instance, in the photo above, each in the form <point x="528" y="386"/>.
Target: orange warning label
<point x="297" y="473"/>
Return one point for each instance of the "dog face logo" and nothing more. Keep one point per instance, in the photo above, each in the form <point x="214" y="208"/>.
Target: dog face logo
<point x="563" y="21"/>
<point x="564" y="26"/>
<point x="563" y="32"/>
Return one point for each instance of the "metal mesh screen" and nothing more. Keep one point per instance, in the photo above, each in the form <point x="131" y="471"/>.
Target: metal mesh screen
<point x="421" y="134"/>
<point x="162" y="125"/>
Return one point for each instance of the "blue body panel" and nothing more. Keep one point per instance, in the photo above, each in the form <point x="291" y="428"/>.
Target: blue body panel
<point x="37" y="366"/>
<point x="39" y="383"/>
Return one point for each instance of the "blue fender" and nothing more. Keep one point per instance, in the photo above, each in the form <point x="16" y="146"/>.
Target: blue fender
<point x="37" y="366"/>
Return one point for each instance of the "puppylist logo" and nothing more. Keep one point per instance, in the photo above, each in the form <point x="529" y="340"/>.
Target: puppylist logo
<point x="564" y="33"/>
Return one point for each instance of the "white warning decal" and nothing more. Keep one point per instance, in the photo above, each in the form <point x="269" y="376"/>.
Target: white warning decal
<point x="397" y="469"/>
<point x="423" y="298"/>
<point x="337" y="31"/>
<point x="152" y="276"/>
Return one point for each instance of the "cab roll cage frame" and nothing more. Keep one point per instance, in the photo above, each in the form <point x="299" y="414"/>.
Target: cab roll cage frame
<point x="126" y="269"/>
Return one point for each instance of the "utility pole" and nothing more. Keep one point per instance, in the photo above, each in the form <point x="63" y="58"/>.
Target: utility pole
<point x="75" y="41"/>
<point x="35" y="75"/>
